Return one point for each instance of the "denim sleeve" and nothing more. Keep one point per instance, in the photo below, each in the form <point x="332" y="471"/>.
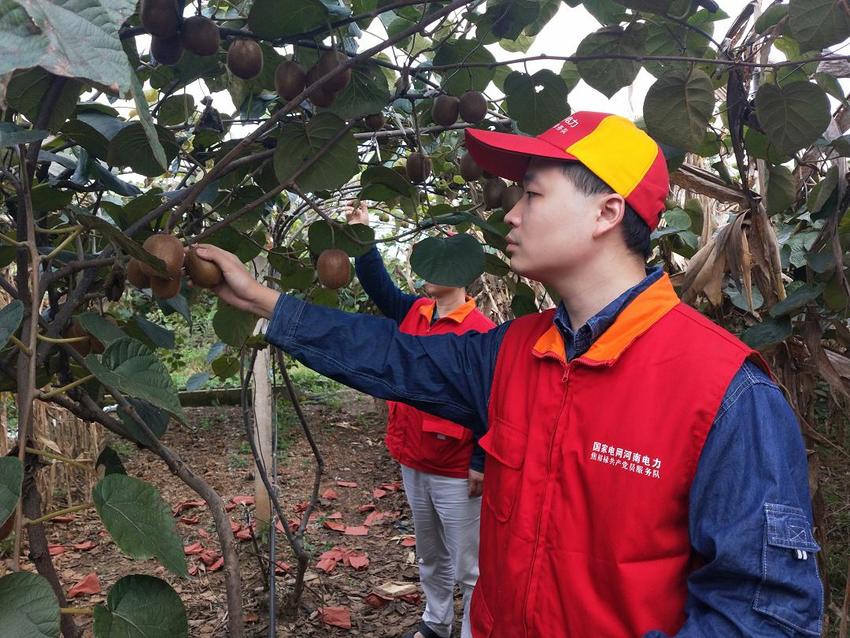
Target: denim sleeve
<point x="476" y="460"/>
<point x="447" y="375"/>
<point x="376" y="282"/>
<point x="751" y="522"/>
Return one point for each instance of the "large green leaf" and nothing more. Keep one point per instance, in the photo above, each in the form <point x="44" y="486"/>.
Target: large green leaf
<point x="153" y="417"/>
<point x="132" y="147"/>
<point x="299" y="143"/>
<point x="141" y="606"/>
<point x="110" y="461"/>
<point x="175" y="109"/>
<point x="10" y="320"/>
<point x="139" y="521"/>
<point x="380" y="183"/>
<point x="28" y="607"/>
<point x="102" y="329"/>
<point x="321" y="235"/>
<point x="505" y="19"/>
<point x="536" y="101"/>
<point x="268" y="20"/>
<point x="781" y="189"/>
<point x="793" y="116"/>
<point x="457" y="81"/>
<point x="12" y="134"/>
<point x="448" y="261"/>
<point x="678" y="107"/>
<point x="818" y="23"/>
<point x="93" y="131"/>
<point x="27" y="89"/>
<point x="797" y="300"/>
<point x="133" y="369"/>
<point x="767" y="333"/>
<point x="72" y="38"/>
<point x="611" y="75"/>
<point x="233" y="326"/>
<point x="158" y="163"/>
<point x="366" y="93"/>
<point x="11" y="475"/>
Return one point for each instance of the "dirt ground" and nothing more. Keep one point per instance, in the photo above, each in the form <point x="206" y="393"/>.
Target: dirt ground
<point x="360" y="482"/>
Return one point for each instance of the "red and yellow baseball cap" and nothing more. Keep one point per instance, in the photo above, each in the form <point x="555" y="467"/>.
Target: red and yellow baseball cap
<point x="612" y="147"/>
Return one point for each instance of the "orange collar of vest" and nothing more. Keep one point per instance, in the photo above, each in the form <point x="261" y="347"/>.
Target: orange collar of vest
<point x="635" y="319"/>
<point x="457" y="315"/>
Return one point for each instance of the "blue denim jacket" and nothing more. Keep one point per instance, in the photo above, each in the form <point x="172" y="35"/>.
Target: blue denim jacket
<point x="750" y="514"/>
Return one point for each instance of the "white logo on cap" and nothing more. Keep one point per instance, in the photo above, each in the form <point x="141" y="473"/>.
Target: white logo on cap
<point x="565" y="124"/>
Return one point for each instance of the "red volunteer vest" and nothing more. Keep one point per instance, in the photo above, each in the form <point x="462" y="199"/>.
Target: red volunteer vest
<point x="421" y="441"/>
<point x="584" y="529"/>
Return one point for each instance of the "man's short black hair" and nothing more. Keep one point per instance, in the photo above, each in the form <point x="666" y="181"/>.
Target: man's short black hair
<point x="636" y="232"/>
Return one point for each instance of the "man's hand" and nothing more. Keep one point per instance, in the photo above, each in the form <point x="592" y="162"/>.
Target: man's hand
<point x="239" y="288"/>
<point x="476" y="483"/>
<point x="358" y="214"/>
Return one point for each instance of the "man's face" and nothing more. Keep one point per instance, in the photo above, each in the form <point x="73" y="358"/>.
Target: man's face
<point x="551" y="226"/>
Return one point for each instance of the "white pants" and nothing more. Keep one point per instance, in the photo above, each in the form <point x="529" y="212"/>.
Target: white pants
<point x="446" y="524"/>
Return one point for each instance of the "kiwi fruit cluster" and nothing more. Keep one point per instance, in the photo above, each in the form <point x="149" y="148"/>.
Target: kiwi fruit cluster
<point x="290" y="78"/>
<point x="169" y="249"/>
<point x="418" y="167"/>
<point x="333" y="268"/>
<point x="245" y="59"/>
<point x="471" y="107"/>
<point x="445" y="110"/>
<point x="469" y="168"/>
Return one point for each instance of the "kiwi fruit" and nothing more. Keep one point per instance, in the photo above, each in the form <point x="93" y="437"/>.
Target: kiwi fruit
<point x="290" y="78"/>
<point x="333" y="268"/>
<point x="200" y="35"/>
<point x="167" y="50"/>
<point x="245" y="59"/>
<point x="135" y="274"/>
<point x="73" y="331"/>
<point x="167" y="248"/>
<point x="445" y="109"/>
<point x="473" y="107"/>
<point x="202" y="272"/>
<point x="165" y="288"/>
<point x="493" y="189"/>
<point x="510" y="196"/>
<point x="160" y="18"/>
<point x="418" y="167"/>
<point x="469" y="168"/>
<point x="375" y="122"/>
<point x="321" y="96"/>
<point x="328" y="61"/>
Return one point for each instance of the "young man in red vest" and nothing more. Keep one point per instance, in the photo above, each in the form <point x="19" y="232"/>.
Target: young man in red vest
<point x="645" y="476"/>
<point x="441" y="467"/>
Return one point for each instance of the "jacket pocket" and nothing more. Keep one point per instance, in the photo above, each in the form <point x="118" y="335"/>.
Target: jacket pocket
<point x="505" y="445"/>
<point x="789" y="571"/>
<point x="445" y="445"/>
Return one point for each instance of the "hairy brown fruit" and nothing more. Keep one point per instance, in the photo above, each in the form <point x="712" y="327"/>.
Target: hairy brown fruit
<point x="75" y="330"/>
<point x="328" y="61"/>
<point x="469" y="168"/>
<point x="493" y="189"/>
<point x="245" y="59"/>
<point x="203" y="273"/>
<point x="169" y="249"/>
<point x="375" y="122"/>
<point x="445" y="110"/>
<point x="160" y="18"/>
<point x="321" y="96"/>
<point x="473" y="107"/>
<point x="510" y="196"/>
<point x="290" y="78"/>
<point x="165" y="288"/>
<point x="418" y="167"/>
<point x="200" y="35"/>
<point x="333" y="268"/>
<point x="167" y="50"/>
<point x="135" y="274"/>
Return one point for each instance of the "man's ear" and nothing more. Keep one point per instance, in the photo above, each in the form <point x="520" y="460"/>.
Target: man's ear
<point x="610" y="211"/>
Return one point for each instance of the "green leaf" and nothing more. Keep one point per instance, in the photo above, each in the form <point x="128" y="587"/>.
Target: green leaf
<point x="495" y="266"/>
<point x="10" y="320"/>
<point x="299" y="143"/>
<point x="238" y="243"/>
<point x="380" y="183"/>
<point x="158" y="336"/>
<point x="448" y="261"/>
<point x="11" y="475"/>
<point x="158" y="164"/>
<point x="570" y="75"/>
<point x="154" y="418"/>
<point x="175" y="109"/>
<point x="127" y="245"/>
<point x="606" y="12"/>
<point x="816" y="24"/>
<point x="611" y="75"/>
<point x="771" y="16"/>
<point x="132" y="368"/>
<point x="102" y="329"/>
<point x="110" y="461"/>
<point x="27" y="89"/>
<point x="267" y="20"/>
<point x="46" y="198"/>
<point x="767" y="333"/>
<point x="505" y="19"/>
<point x="797" y="300"/>
<point x="132" y="147"/>
<point x="457" y="81"/>
<point x="233" y="326"/>
<point x="11" y="134"/>
<point x="366" y="93"/>
<point x="93" y="131"/>
<point x="28" y="607"/>
<point x="678" y="107"/>
<point x="321" y="235"/>
<point x="536" y="101"/>
<point x="139" y="521"/>
<point x="824" y="189"/>
<point x="793" y="116"/>
<point x="197" y="381"/>
<point x="225" y="366"/>
<point x="781" y="189"/>
<point x="141" y="606"/>
<point x="661" y="7"/>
